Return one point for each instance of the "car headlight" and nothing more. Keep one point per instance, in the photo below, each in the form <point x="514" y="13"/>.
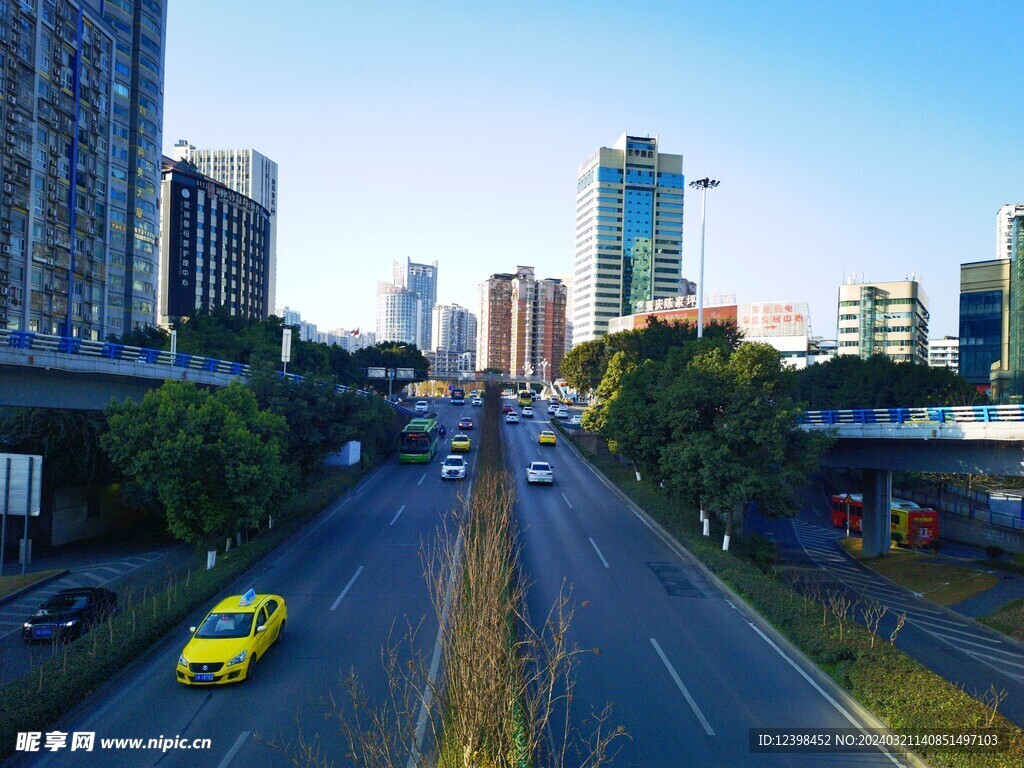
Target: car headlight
<point x="182" y="660"/>
<point x="238" y="659"/>
<point x="27" y="625"/>
<point x="70" y="623"/>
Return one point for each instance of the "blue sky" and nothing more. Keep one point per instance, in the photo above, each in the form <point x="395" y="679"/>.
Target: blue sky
<point x="874" y="138"/>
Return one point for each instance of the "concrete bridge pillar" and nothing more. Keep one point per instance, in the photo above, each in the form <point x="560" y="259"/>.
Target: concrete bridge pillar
<point x="875" y="526"/>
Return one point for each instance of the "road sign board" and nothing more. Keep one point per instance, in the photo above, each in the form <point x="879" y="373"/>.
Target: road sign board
<point x="406" y="373"/>
<point x="376" y="373"/>
<point x="26" y="484"/>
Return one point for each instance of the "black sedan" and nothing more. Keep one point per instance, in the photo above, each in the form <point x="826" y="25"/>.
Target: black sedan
<point x="465" y="423"/>
<point x="70" y="614"/>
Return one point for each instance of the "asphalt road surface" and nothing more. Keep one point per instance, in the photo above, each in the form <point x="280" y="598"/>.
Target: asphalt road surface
<point x="688" y="673"/>
<point x="350" y="582"/>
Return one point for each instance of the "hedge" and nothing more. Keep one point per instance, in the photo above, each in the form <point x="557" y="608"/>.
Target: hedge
<point x="900" y="691"/>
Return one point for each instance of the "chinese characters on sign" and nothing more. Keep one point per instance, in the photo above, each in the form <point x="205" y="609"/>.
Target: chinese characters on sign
<point x="640" y="152"/>
<point x="31" y="741"/>
<point x="771" y="319"/>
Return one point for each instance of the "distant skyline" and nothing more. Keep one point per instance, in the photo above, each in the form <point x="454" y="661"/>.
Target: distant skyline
<point x="874" y="138"/>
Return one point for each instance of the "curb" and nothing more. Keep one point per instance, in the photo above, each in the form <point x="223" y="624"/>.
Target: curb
<point x="18" y="594"/>
<point x="18" y="759"/>
<point x="868" y="718"/>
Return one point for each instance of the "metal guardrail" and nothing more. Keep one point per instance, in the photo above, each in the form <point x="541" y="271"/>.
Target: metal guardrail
<point x="30" y="341"/>
<point x="917" y="416"/>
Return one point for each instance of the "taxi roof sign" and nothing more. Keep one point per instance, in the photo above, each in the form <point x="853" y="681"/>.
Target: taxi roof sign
<point x="248" y="598"/>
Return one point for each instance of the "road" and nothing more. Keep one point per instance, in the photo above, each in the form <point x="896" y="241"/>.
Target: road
<point x="351" y="576"/>
<point x="687" y="672"/>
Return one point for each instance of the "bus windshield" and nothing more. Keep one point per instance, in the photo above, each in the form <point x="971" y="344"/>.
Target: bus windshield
<point x="414" y="442"/>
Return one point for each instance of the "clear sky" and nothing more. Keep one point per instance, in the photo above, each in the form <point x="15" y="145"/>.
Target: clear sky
<point x="849" y="137"/>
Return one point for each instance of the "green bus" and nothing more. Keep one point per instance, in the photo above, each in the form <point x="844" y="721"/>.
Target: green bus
<point x="525" y="397"/>
<point x="418" y="442"/>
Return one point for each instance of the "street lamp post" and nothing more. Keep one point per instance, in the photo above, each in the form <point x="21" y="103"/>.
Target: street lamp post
<point x="703" y="185"/>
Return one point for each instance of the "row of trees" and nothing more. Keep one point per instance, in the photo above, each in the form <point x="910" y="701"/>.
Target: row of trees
<point x="258" y="342"/>
<point x="716" y="421"/>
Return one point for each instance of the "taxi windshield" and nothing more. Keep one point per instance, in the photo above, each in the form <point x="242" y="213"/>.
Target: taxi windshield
<point x="226" y="625"/>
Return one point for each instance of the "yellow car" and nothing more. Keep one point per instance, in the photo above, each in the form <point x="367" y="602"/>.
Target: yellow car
<point x="460" y="444"/>
<point x="547" y="437"/>
<point x="231" y="639"/>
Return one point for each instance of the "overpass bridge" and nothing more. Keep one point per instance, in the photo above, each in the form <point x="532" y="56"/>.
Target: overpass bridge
<point x="42" y="371"/>
<point x="985" y="439"/>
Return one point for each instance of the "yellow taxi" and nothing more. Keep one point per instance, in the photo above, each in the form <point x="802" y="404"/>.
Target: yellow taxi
<point x="547" y="437"/>
<point x="231" y="639"/>
<point x="460" y="444"/>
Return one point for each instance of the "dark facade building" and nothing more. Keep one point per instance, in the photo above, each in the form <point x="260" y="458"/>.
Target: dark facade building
<point x="214" y="247"/>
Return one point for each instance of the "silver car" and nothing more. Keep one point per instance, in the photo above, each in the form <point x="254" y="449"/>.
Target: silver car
<point x="453" y="468"/>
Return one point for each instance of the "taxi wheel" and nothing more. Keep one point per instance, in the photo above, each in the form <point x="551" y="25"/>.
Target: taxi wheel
<point x="250" y="668"/>
<point x="280" y="632"/>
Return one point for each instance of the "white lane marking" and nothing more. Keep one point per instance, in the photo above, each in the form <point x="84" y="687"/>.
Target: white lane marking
<point x="422" y="479"/>
<point x="347" y="587"/>
<point x="568" y="502"/>
<point x="594" y="545"/>
<point x="686" y="693"/>
<point x="395" y="518"/>
<point x="839" y="707"/>
<point x="974" y="635"/>
<point x="234" y="750"/>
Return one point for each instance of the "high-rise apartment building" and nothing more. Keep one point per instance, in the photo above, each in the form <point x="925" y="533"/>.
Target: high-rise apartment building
<point x="82" y="111"/>
<point x="214" y="248"/>
<point x="629" y="232"/>
<point x="538" y="325"/>
<point x="1008" y="220"/>
<point x="570" y="284"/>
<point x="944" y="352"/>
<point x="399" y="314"/>
<point x="522" y="324"/>
<point x="453" y="328"/>
<point x="494" y="323"/>
<point x="421" y="279"/>
<point x="249" y="173"/>
<point x="884" y="319"/>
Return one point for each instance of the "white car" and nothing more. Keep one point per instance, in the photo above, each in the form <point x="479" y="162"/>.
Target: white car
<point x="540" y="472"/>
<point x="552" y="409"/>
<point x="453" y="468"/>
<point x="562" y="413"/>
<point x="512" y="418"/>
<point x="476" y="402"/>
<point x="421" y="406"/>
<point x="576" y="420"/>
<point x="527" y="412"/>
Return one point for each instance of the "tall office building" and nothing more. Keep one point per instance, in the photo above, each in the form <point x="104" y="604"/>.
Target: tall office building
<point x="399" y="315"/>
<point x="214" y="248"/>
<point x="421" y="279"/>
<point x="1008" y="218"/>
<point x="453" y="328"/>
<point x="82" y="110"/>
<point x="570" y="285"/>
<point x="522" y="324"/>
<point x="629" y="232"/>
<point x="249" y="173"/>
<point x="884" y="319"/>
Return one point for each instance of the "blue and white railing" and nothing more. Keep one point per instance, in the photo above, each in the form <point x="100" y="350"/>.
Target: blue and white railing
<point x="30" y="341"/>
<point x="916" y="416"/>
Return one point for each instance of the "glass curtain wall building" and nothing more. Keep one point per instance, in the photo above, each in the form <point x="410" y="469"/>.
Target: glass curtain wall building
<point x="81" y="100"/>
<point x="629" y="232"/>
<point x="421" y="279"/>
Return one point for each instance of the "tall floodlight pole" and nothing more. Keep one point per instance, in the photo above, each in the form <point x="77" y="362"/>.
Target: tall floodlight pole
<point x="703" y="185"/>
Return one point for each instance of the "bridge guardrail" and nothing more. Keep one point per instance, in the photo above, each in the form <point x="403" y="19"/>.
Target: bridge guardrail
<point x="30" y="340"/>
<point x="916" y="416"/>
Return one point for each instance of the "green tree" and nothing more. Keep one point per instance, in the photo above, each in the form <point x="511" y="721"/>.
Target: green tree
<point x="389" y="354"/>
<point x="847" y="381"/>
<point x="67" y="440"/>
<point x="212" y="459"/>
<point x="584" y="365"/>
